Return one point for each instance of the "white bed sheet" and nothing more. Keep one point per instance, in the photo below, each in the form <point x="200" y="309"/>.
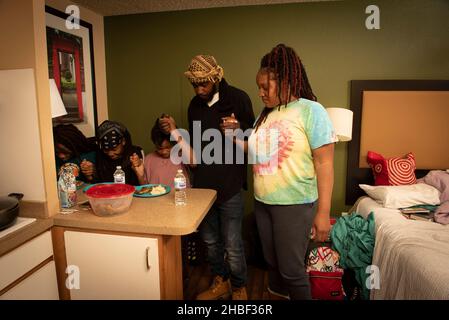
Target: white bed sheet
<point x="412" y="256"/>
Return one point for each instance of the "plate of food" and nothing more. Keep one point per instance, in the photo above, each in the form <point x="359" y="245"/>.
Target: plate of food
<point x="151" y="190"/>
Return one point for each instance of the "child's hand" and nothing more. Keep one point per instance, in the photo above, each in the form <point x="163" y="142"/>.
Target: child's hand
<point x="137" y="164"/>
<point x="135" y="160"/>
<point x="87" y="168"/>
<point x="167" y="124"/>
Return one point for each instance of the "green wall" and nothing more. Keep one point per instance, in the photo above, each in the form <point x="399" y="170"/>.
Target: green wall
<point x="147" y="54"/>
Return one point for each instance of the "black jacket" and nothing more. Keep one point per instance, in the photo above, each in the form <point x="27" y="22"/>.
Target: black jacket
<point x="226" y="179"/>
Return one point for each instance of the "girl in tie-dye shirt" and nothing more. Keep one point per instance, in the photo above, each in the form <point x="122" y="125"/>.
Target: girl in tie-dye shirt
<point x="292" y="148"/>
<point x="284" y="171"/>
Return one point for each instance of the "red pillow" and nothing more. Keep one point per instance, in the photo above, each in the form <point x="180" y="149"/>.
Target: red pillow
<point x="393" y="171"/>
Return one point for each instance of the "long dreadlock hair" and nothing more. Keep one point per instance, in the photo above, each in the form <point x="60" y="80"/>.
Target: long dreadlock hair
<point x="285" y="65"/>
<point x="73" y="139"/>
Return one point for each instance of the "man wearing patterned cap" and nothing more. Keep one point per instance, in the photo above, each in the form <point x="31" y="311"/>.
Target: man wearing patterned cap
<point x="219" y="106"/>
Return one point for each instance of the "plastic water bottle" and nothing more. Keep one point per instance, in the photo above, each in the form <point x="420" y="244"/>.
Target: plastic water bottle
<point x="119" y="175"/>
<point x="180" y="189"/>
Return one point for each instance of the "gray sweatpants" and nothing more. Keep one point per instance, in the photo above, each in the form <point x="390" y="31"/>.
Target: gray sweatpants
<point x="284" y="233"/>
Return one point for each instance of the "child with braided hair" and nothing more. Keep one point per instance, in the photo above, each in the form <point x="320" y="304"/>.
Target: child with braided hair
<point x="294" y="179"/>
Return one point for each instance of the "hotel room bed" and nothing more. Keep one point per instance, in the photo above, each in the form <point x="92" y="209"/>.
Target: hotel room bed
<point x="393" y="118"/>
<point x="412" y="256"/>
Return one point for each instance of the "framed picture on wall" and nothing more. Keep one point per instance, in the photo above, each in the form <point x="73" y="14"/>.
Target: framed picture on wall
<point x="71" y="64"/>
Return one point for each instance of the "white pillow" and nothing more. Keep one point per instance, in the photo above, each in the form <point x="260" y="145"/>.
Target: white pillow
<point x="396" y="197"/>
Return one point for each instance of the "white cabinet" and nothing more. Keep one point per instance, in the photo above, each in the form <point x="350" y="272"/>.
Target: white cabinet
<point x="40" y="285"/>
<point x="105" y="266"/>
<point x="28" y="272"/>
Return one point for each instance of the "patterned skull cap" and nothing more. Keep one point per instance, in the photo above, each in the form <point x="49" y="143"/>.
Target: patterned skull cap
<point x="110" y="134"/>
<point x="204" y="68"/>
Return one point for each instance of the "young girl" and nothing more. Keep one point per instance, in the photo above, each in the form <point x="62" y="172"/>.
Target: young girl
<point x="159" y="168"/>
<point x="293" y="188"/>
<point x="71" y="146"/>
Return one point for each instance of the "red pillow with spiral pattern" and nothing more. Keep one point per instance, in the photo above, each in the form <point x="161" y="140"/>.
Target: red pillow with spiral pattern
<point x="393" y="171"/>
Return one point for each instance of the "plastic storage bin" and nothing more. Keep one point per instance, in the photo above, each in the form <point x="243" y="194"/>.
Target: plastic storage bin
<point x="110" y="199"/>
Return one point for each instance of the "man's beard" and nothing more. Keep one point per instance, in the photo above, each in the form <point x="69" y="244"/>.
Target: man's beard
<point x="212" y="93"/>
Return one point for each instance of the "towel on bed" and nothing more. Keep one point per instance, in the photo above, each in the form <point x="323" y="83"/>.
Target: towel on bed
<point x="353" y="237"/>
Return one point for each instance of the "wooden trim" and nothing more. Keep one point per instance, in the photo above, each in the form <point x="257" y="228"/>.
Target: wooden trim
<point x="26" y="275"/>
<point x="116" y="233"/>
<point x="57" y="234"/>
<point x="33" y="209"/>
<point x="171" y="268"/>
<point x="162" y="273"/>
<point x="354" y="174"/>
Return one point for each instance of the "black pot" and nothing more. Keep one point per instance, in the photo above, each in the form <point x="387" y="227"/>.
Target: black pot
<point x="9" y="209"/>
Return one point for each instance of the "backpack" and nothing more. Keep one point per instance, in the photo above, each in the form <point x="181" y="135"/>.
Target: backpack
<point x="325" y="274"/>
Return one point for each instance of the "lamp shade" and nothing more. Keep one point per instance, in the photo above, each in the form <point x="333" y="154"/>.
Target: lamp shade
<point x="342" y="121"/>
<point x="57" y="106"/>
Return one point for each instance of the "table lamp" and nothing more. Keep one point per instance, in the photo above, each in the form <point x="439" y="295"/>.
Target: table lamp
<point x="342" y="121"/>
<point x="57" y="106"/>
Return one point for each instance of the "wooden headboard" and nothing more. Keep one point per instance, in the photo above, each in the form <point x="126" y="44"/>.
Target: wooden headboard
<point x="394" y="117"/>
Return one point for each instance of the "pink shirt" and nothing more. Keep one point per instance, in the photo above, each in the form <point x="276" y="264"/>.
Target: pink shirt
<point x="162" y="170"/>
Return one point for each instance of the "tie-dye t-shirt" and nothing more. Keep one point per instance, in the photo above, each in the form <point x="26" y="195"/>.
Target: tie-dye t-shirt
<point x="281" y="152"/>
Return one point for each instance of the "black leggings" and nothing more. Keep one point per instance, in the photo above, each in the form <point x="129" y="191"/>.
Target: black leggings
<point x="284" y="232"/>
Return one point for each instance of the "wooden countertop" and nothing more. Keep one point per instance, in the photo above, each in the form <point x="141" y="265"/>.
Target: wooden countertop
<point x="156" y="215"/>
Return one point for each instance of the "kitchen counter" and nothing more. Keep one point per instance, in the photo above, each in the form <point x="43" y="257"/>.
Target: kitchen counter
<point x="156" y="220"/>
<point x="18" y="237"/>
<point x="155" y="215"/>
